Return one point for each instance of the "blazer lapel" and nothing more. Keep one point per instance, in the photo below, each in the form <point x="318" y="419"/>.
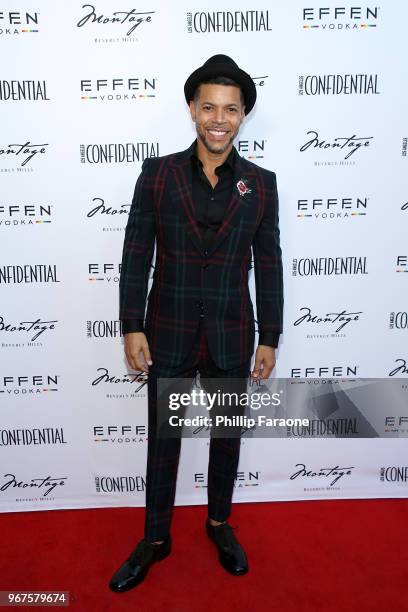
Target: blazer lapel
<point x="235" y="208"/>
<point x="183" y="195"/>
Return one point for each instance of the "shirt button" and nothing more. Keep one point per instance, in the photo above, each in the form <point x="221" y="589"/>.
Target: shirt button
<point x="206" y="252"/>
<point x="212" y="198"/>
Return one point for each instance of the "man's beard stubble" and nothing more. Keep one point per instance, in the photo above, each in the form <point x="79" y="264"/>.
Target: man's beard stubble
<point x="201" y="136"/>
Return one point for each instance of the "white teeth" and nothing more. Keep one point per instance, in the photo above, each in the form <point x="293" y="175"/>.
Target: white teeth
<point x="217" y="132"/>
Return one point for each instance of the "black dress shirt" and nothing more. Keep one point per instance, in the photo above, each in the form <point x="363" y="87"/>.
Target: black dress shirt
<point x="210" y="205"/>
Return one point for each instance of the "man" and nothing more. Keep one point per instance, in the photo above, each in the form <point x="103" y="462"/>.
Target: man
<point x="205" y="207"/>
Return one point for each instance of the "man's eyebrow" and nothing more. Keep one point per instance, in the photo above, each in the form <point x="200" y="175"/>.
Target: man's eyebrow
<point x="212" y="103"/>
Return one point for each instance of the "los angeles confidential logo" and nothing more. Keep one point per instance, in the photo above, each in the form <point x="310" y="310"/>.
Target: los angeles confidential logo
<point x="337" y="84"/>
<point x="201" y="22"/>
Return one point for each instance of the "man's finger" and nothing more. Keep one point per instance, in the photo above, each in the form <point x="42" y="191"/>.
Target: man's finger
<point x="146" y="353"/>
<point x="135" y="362"/>
<point x="131" y="361"/>
<point x="257" y="367"/>
<point x="140" y="365"/>
<point x="265" y="372"/>
<point x="268" y="367"/>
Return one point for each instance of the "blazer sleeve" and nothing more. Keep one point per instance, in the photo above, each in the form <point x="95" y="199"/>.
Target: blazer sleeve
<point x="138" y="248"/>
<point x="268" y="267"/>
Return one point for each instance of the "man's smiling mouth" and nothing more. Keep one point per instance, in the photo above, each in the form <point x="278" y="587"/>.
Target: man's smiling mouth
<point x="217" y="133"/>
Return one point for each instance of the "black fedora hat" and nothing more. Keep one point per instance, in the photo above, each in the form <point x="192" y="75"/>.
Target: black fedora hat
<point x="222" y="65"/>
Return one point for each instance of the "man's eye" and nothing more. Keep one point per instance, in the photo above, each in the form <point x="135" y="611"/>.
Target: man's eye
<point x="207" y="107"/>
<point x="233" y="110"/>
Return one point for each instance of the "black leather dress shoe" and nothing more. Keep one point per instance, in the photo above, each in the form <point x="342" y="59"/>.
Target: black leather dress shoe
<point x="231" y="554"/>
<point x="134" y="569"/>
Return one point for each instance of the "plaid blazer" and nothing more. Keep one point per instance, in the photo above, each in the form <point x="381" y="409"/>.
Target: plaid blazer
<point x="187" y="278"/>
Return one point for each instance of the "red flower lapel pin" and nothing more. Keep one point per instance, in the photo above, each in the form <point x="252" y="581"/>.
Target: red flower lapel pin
<point x="242" y="187"/>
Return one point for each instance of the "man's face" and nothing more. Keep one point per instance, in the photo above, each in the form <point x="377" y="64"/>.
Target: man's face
<point x="218" y="114"/>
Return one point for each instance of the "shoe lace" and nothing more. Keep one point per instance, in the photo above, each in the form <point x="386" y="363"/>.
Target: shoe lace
<point x="143" y="553"/>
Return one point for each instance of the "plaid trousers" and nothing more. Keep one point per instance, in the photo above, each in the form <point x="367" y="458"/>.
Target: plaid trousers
<point x="163" y="453"/>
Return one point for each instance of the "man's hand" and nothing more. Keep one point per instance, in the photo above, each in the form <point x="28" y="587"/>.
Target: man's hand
<point x="136" y="343"/>
<point x="264" y="358"/>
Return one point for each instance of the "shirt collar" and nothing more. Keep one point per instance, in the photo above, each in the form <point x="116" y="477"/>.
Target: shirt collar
<point x="229" y="161"/>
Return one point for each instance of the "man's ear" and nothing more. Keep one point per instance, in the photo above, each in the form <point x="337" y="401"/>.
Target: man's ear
<point x="192" y="109"/>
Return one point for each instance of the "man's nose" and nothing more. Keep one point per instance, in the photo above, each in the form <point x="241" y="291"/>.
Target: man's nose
<point x="219" y="115"/>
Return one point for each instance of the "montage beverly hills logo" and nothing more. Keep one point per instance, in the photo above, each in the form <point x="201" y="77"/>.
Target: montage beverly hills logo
<point x="106" y="216"/>
<point x="118" y="386"/>
<point x="38" y="487"/>
<point x="400" y="367"/>
<point x="31" y="332"/>
<point x="321" y="325"/>
<point x="326" y="477"/>
<point x="335" y="150"/>
<point x="121" y="25"/>
<point x="21" y="156"/>
<point x="260" y="81"/>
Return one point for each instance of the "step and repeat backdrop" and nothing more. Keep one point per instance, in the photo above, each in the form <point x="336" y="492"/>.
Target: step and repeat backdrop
<point x="87" y="92"/>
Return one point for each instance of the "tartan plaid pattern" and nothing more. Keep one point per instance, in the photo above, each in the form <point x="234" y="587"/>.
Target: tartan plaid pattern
<point x="185" y="273"/>
<point x="163" y="453"/>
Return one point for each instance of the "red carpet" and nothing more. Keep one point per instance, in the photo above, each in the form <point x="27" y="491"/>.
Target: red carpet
<point x="312" y="555"/>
